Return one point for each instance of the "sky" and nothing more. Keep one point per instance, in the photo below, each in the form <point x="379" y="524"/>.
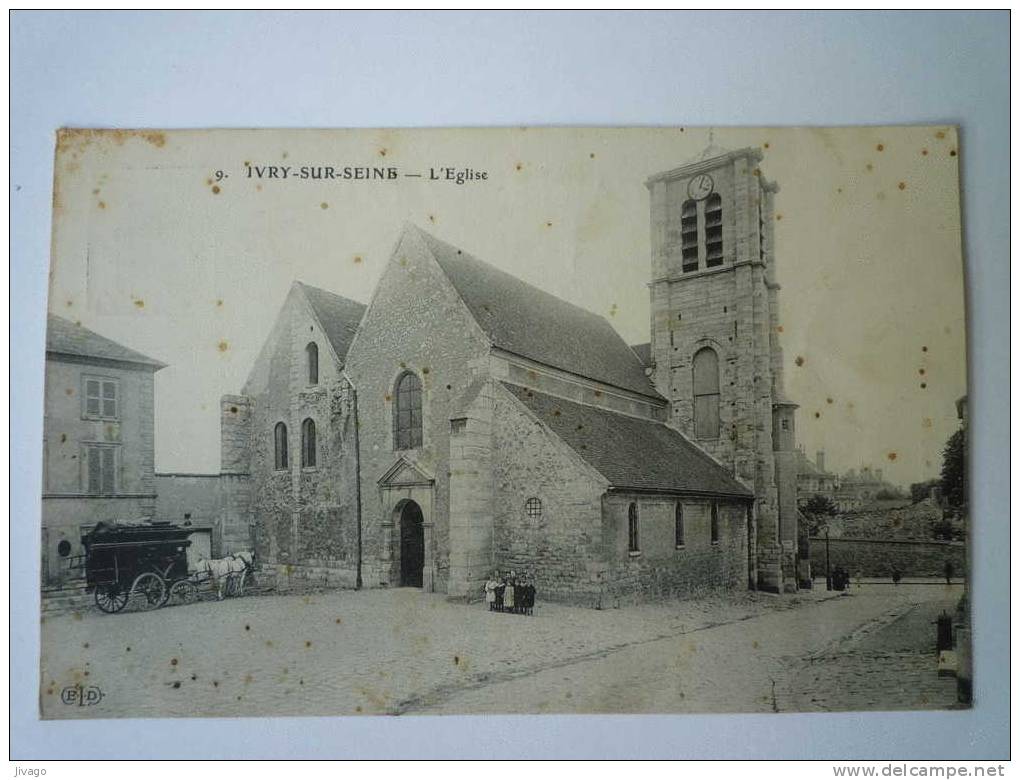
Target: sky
<point x="154" y="249"/>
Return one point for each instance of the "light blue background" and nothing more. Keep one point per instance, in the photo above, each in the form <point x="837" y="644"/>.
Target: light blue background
<point x="449" y="69"/>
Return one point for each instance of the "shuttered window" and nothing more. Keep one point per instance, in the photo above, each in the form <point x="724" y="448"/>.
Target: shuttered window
<point x="100" y="464"/>
<point x="100" y="398"/>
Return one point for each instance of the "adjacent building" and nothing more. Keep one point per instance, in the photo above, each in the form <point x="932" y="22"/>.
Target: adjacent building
<point x="98" y="450"/>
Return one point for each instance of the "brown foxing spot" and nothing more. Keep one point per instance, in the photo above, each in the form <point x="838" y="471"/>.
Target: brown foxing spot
<point x="756" y="171"/>
<point x="102" y="204"/>
<point x="357" y="259"/>
<point x="219" y="301"/>
<point x="548" y="224"/>
<point x="358" y="708"/>
<point x="216" y="189"/>
<point x="425" y="370"/>
<point x="799" y="360"/>
<point x="308" y="643"/>
<point x="432" y="218"/>
<point x="247" y="627"/>
<point x="324" y="205"/>
<point x="880" y="148"/>
<point x="920" y="371"/>
<point x="382" y="152"/>
<point x="387" y="397"/>
<point x="338" y="621"/>
<point x="952" y="153"/>
<point x="223" y="346"/>
<point x="828" y="400"/>
<point x="69" y="391"/>
<point x="248" y="679"/>
<point x="924" y="349"/>
<point x="233" y="410"/>
<point x="779" y="328"/>
<point x="70" y="303"/>
<point x="924" y="152"/>
<point x="902" y="185"/>
<point x="891" y="456"/>
<point x="173" y="662"/>
<point x="766" y="144"/>
<point x="778" y="217"/>
<point x="258" y="188"/>
<point x="818" y="415"/>
<point x="519" y="167"/>
<point x="209" y="182"/>
<point x="924" y="385"/>
<point x="139" y="303"/>
<point x="592" y="155"/>
<point x="940" y="135"/>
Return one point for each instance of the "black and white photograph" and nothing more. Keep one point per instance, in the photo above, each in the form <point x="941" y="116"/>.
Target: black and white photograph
<point x="515" y="420"/>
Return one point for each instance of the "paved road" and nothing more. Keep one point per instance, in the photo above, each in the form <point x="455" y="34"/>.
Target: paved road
<point x="403" y="651"/>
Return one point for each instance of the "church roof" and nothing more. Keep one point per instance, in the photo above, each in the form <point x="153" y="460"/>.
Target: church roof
<point x="630" y="452"/>
<point x="534" y="324"/>
<point x="338" y="316"/>
<point x="67" y="338"/>
<point x="644" y="352"/>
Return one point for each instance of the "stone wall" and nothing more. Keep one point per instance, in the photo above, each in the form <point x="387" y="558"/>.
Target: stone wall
<point x="564" y="547"/>
<point x="416" y="323"/>
<point x="878" y="557"/>
<point x="661" y="568"/>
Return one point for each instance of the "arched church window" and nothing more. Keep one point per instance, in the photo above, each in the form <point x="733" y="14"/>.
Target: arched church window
<point x="689" y="235"/>
<point x="713" y="231"/>
<point x="308" y="450"/>
<point x="633" y="540"/>
<point x="706" y="394"/>
<point x="407" y="423"/>
<point x="312" y="362"/>
<point x="280" y="446"/>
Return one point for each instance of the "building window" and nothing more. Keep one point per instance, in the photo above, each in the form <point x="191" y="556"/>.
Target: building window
<point x="633" y="540"/>
<point x="689" y="235"/>
<point x="308" y="443"/>
<point x="713" y="231"/>
<point x="715" y="523"/>
<point x="458" y="425"/>
<point x="706" y="394"/>
<point x="100" y="398"/>
<point x="407" y="413"/>
<point x="678" y="525"/>
<point x="312" y="362"/>
<point x="101" y="467"/>
<point x="533" y="508"/>
<point x="280" y="446"/>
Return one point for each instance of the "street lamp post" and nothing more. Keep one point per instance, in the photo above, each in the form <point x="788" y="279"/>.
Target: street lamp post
<point x="828" y="571"/>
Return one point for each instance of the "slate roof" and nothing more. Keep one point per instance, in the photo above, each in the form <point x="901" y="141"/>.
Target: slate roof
<point x="338" y="316"/>
<point x="631" y="453"/>
<point x="534" y="324"/>
<point x="66" y="338"/>
<point x="644" y="352"/>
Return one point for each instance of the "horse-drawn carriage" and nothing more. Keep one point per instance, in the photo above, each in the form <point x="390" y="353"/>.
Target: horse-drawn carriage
<point x="147" y="564"/>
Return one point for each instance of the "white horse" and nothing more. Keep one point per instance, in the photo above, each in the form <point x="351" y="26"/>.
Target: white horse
<point x="221" y="569"/>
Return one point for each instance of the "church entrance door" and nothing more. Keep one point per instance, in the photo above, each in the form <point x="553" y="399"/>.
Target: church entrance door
<point x="412" y="545"/>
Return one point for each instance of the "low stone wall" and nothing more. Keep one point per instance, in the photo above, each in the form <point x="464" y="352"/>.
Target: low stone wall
<point x="878" y="557"/>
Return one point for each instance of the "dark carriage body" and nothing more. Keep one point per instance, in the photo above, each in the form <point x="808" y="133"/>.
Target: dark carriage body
<point x="116" y="554"/>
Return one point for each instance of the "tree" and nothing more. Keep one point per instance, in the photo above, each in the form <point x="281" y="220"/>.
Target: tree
<point x="818" y="509"/>
<point x="921" y="490"/>
<point x="820" y="505"/>
<point x="954" y="471"/>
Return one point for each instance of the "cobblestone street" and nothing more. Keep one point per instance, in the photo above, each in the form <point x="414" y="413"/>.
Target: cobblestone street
<point x="404" y="651"/>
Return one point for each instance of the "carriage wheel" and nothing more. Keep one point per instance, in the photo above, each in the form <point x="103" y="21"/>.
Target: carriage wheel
<point x="110" y="598"/>
<point x="183" y="592"/>
<point x="151" y="588"/>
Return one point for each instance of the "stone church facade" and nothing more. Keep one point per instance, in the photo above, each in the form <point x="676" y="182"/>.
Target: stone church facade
<point x="465" y="421"/>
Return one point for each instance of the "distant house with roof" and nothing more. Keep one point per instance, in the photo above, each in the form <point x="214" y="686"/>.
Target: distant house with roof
<point x="98" y="450"/>
<point x="464" y="421"/>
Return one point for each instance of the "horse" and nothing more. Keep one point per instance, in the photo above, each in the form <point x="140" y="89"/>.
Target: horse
<point x="221" y="569"/>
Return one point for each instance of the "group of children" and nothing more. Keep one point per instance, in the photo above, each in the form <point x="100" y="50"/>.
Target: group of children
<point x="510" y="593"/>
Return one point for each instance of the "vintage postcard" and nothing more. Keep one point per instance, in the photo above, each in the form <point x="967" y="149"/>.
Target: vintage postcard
<point x="518" y="420"/>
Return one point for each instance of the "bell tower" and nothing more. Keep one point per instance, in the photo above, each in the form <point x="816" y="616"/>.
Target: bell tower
<point x="715" y="337"/>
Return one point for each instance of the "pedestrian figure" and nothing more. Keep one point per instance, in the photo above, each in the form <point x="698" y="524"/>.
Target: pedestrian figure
<point x="859" y="575"/>
<point x="896" y="576"/>
<point x="500" y="591"/>
<point x="949" y="572"/>
<point x="490" y="592"/>
<point x="508" y="595"/>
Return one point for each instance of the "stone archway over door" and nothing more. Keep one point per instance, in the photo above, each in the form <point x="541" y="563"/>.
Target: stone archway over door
<point x="412" y="545"/>
<point x="403" y="484"/>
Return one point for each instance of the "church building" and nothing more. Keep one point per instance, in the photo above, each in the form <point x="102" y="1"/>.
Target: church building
<point x="465" y="421"/>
